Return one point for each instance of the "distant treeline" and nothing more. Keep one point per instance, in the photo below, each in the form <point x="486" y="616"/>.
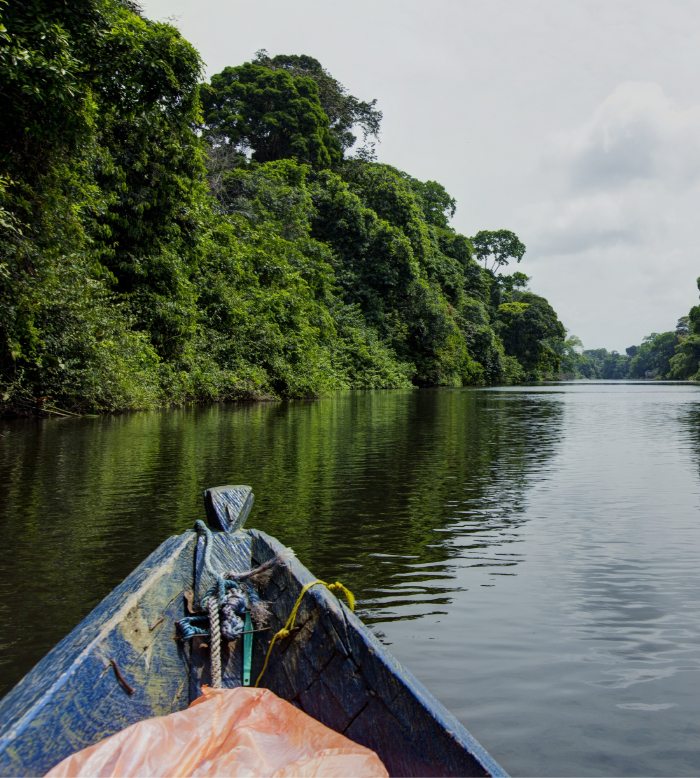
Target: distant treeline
<point x="672" y="355"/>
<point x="165" y="241"/>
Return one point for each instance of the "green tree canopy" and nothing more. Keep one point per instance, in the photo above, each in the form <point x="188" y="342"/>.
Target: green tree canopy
<point x="686" y="362"/>
<point x="606" y="364"/>
<point x="528" y="326"/>
<point x="132" y="276"/>
<point x="344" y="111"/>
<point x="683" y="326"/>
<point x="270" y="113"/>
<point x="615" y="366"/>
<point x="437" y="205"/>
<point x="654" y="356"/>
<point x="574" y="363"/>
<point x="498" y="246"/>
<point x="510" y="284"/>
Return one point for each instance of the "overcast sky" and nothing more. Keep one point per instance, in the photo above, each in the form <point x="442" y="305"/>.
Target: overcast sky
<point x="574" y="123"/>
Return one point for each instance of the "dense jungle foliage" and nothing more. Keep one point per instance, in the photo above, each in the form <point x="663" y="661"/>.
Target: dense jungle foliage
<point x="165" y="241"/>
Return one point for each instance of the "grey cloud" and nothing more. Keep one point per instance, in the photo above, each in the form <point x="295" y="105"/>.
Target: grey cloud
<point x="615" y="161"/>
<point x="579" y="240"/>
<point x="623" y="175"/>
<point x="635" y="134"/>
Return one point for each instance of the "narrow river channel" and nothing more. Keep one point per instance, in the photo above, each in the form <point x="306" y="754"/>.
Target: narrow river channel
<point x="532" y="554"/>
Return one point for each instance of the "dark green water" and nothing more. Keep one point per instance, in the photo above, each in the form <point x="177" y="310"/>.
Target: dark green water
<point x="531" y="554"/>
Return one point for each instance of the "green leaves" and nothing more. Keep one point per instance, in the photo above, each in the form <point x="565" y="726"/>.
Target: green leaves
<point x="498" y="246"/>
<point x="272" y="113"/>
<point x="654" y="356"/>
<point x="142" y="263"/>
<point x="344" y="111"/>
<point x="531" y="331"/>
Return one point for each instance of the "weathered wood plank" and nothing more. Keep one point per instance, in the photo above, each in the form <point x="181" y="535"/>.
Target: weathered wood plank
<point x="230" y="551"/>
<point x="72" y="698"/>
<point x="228" y="507"/>
<point x="320" y="703"/>
<point x="399" y="749"/>
<point x="347" y="685"/>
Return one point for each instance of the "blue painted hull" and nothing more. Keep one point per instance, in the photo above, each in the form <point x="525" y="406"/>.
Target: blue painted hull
<point x="332" y="667"/>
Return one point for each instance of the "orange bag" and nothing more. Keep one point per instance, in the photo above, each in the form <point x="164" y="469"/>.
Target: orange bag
<point x="232" y="732"/>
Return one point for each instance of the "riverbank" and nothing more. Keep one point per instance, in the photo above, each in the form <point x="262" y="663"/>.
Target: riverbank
<point x="151" y="254"/>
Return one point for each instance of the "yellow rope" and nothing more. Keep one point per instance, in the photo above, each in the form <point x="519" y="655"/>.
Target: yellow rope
<point x="285" y="631"/>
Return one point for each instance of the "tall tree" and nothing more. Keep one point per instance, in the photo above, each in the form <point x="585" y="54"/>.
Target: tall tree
<point x="345" y="112"/>
<point x="270" y="113"/>
<point x="497" y="246"/>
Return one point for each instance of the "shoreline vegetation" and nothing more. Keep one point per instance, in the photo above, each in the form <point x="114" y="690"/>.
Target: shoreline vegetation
<point x="673" y="355"/>
<point x="165" y="241"/>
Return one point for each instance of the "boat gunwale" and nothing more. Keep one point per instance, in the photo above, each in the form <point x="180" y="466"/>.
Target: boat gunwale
<point x="326" y="601"/>
<point x="14" y="728"/>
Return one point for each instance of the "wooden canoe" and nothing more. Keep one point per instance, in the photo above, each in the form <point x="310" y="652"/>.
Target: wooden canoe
<point x="122" y="664"/>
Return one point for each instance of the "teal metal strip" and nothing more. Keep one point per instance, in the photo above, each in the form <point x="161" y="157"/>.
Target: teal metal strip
<point x="247" y="649"/>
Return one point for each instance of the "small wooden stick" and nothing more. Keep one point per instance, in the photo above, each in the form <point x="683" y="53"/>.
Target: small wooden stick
<point x="160" y="621"/>
<point x="127" y="688"/>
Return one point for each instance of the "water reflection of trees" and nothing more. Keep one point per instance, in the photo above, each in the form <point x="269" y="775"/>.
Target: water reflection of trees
<point x="394" y="490"/>
<point x="388" y="491"/>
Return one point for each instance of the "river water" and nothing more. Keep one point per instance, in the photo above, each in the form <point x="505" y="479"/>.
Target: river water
<point x="530" y="553"/>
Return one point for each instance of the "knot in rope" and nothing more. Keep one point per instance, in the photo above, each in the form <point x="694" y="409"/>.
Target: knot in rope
<point x="233" y="613"/>
<point x="337" y="586"/>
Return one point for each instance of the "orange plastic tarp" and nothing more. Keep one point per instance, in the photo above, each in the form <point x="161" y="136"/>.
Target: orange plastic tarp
<point x="232" y="732"/>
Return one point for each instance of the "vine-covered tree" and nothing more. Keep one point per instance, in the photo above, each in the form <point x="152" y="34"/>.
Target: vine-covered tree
<point x="528" y="326"/>
<point x="271" y="114"/>
<point x="345" y="112"/>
